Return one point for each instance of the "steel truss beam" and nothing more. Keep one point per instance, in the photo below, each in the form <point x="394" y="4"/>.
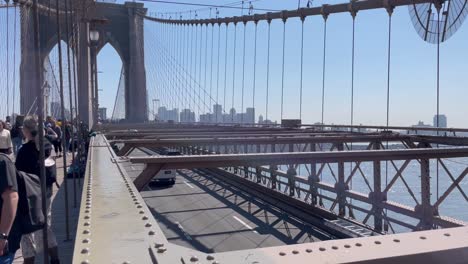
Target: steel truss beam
<point x="115" y="226"/>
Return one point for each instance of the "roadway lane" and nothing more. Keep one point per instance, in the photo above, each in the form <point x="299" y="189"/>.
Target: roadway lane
<point x="203" y="213"/>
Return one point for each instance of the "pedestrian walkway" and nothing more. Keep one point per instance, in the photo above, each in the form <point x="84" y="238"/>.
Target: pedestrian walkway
<point x="58" y="216"/>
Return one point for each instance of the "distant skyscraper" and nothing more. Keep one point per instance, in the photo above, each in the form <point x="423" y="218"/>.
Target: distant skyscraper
<point x="442" y="121"/>
<point x="168" y="115"/>
<point x="249" y="117"/>
<point x="187" y="116"/>
<point x="217" y="113"/>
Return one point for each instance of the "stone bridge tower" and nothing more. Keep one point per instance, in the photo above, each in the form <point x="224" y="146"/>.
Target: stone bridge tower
<point x="123" y="30"/>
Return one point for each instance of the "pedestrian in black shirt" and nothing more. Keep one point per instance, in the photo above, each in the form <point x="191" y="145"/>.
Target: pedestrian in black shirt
<point x="28" y="161"/>
<point x="10" y="234"/>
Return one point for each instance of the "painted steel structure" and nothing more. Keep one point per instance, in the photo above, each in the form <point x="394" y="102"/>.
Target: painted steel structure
<point x="110" y="202"/>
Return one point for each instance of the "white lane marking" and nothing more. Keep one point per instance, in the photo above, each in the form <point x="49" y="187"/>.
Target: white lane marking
<point x="188" y="184"/>
<point x="244" y="224"/>
<point x="183" y="230"/>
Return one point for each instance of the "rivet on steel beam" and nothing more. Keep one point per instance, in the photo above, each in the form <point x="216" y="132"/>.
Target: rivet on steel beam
<point x="309" y="250"/>
<point x="334" y="247"/>
<point x="215" y="262"/>
<point x="282" y="254"/>
<point x="194" y="259"/>
<point x="144" y="218"/>
<point x="378" y="242"/>
<point x="322" y="249"/>
<point x="162" y="250"/>
<point x="148" y="225"/>
<point x="86" y="240"/>
<point x="422" y="237"/>
<point x="142" y="212"/>
<point x="358" y="244"/>
<point x="151" y="233"/>
<point x="87" y="224"/>
<point x="86" y="217"/>
<point x="158" y="245"/>
<point x="209" y="257"/>
<point x="88" y="207"/>
<point x="85" y="251"/>
<point x="86" y="231"/>
<point x="85" y="262"/>
<point x="394" y="240"/>
<point x="86" y="211"/>
<point x="447" y="234"/>
<point x="139" y="206"/>
<point x="126" y="262"/>
<point x="295" y="252"/>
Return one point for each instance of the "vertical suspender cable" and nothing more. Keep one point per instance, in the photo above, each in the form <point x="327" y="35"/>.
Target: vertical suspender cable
<point x="40" y="103"/>
<point x="217" y="73"/>
<point x="324" y="64"/>
<point x="268" y="70"/>
<point x="225" y="71"/>
<point x="438" y="95"/>
<point x="353" y="14"/>
<point x="71" y="116"/>
<point x="282" y="67"/>
<point x="14" y="59"/>
<point x="243" y="75"/>
<point x="302" y="66"/>
<point x="75" y="92"/>
<point x="62" y="106"/>
<point x="200" y="66"/>
<point x="233" y="73"/>
<point x="190" y="69"/>
<point x="390" y="11"/>
<point x="206" y="63"/>
<point x="7" y="58"/>
<point x="211" y="68"/>
<point x="194" y="76"/>
<point x="255" y="68"/>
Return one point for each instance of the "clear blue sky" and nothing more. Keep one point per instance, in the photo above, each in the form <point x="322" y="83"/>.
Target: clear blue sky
<point x="413" y="67"/>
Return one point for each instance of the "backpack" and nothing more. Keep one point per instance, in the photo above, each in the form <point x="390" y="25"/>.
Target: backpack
<point x="29" y="214"/>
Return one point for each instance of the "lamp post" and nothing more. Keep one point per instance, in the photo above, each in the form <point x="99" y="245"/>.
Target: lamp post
<point x="46" y="97"/>
<point x="94" y="38"/>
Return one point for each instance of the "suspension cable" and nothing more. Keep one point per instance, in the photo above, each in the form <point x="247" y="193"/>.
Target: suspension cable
<point x="255" y="68"/>
<point x="225" y="71"/>
<point x="302" y="67"/>
<point x="211" y="68"/>
<point x="14" y="58"/>
<point x="217" y="74"/>
<point x="268" y="70"/>
<point x="438" y="96"/>
<point x="7" y="58"/>
<point x="243" y="74"/>
<point x="282" y="67"/>
<point x="390" y="12"/>
<point x="233" y="73"/>
<point x="206" y="62"/>
<point x="323" y="65"/>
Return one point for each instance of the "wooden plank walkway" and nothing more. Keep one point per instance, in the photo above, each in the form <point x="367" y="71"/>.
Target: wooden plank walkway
<point x="58" y="216"/>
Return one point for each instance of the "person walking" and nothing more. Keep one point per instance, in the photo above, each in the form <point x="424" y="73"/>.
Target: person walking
<point x="6" y="146"/>
<point x="10" y="234"/>
<point x="17" y="136"/>
<point x="58" y="139"/>
<point x="27" y="160"/>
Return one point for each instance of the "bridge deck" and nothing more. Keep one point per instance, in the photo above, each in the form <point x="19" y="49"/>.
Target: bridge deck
<point x="204" y="213"/>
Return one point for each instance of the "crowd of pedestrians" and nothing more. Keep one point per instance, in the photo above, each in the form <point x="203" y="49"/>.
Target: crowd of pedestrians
<point x="19" y="152"/>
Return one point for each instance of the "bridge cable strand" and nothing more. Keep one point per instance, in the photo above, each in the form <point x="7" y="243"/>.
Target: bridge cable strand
<point x="323" y="66"/>
<point x="225" y="70"/>
<point x="389" y="49"/>
<point x="268" y="70"/>
<point x="352" y="95"/>
<point x="233" y="73"/>
<point x="254" y="68"/>
<point x="438" y="95"/>
<point x="14" y="57"/>
<point x="211" y="67"/>
<point x="217" y="75"/>
<point x="7" y="58"/>
<point x="206" y="62"/>
<point x="243" y="76"/>
<point x="302" y="67"/>
<point x="282" y="68"/>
